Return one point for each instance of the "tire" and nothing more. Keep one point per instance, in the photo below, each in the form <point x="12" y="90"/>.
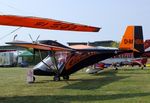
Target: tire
<point x="116" y="68"/>
<point x="56" y="78"/>
<point x="66" y="77"/>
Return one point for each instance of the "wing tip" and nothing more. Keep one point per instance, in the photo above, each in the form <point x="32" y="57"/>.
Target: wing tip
<point x="97" y="29"/>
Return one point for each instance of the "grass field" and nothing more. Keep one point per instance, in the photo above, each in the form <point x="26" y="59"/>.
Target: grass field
<point x="122" y="86"/>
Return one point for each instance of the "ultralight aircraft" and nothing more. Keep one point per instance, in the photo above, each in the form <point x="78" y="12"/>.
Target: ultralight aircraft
<point x="76" y="58"/>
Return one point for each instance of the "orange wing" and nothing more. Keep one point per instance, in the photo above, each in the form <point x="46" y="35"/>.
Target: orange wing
<point x="38" y="46"/>
<point x="44" y="23"/>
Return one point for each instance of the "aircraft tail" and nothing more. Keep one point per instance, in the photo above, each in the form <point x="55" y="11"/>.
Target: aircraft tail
<point x="133" y="40"/>
<point x="147" y="44"/>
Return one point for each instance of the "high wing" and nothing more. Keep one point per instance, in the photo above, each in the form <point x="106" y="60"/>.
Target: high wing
<point x="44" y="23"/>
<point x="38" y="46"/>
<point x="81" y="48"/>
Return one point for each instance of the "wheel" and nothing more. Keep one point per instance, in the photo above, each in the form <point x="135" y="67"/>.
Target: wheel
<point x="142" y="67"/>
<point x="56" y="78"/>
<point x="116" y="68"/>
<point x="66" y="77"/>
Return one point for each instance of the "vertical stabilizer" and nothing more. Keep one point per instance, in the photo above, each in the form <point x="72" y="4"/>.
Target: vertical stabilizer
<point x="133" y="39"/>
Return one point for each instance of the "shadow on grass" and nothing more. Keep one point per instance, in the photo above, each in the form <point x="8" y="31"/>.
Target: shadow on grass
<point x="88" y="84"/>
<point x="42" y="81"/>
<point x="100" y="81"/>
<point x="134" y="71"/>
<point x="69" y="98"/>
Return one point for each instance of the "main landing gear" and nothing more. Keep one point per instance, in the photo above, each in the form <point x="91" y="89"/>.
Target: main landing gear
<point x="66" y="77"/>
<point x="57" y="78"/>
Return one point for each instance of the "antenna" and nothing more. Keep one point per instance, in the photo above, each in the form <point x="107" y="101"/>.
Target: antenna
<point x="37" y="38"/>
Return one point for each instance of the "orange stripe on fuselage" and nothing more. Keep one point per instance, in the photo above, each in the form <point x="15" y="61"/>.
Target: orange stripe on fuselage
<point x="77" y="58"/>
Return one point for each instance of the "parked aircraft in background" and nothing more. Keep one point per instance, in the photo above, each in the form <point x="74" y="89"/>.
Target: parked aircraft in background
<point x="117" y="63"/>
<point x="125" y="59"/>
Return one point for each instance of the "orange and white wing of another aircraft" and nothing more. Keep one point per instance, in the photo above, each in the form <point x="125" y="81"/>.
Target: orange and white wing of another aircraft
<point x="44" y="23"/>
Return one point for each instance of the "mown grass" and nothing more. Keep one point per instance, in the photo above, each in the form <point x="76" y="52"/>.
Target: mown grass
<point x="122" y="86"/>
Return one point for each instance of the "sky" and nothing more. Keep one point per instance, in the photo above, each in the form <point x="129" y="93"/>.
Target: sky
<point x="113" y="16"/>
